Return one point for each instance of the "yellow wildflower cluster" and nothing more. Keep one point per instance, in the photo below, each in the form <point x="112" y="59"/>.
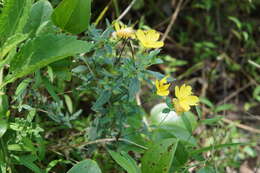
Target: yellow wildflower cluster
<point x="184" y="98"/>
<point x="147" y="38"/>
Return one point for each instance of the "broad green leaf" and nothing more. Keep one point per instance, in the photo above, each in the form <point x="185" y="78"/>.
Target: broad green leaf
<point x="181" y="157"/>
<point x="13" y="18"/>
<point x="43" y="50"/>
<point x="72" y="15"/>
<point x="158" y="158"/>
<point x="10" y="44"/>
<point x="85" y="166"/>
<point x="40" y="12"/>
<point x="125" y="161"/>
<point x="186" y="122"/>
<point x="3" y="127"/>
<point x="180" y="133"/>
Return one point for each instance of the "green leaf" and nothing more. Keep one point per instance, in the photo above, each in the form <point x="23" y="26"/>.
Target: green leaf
<point x="158" y="158"/>
<point x="72" y="15"/>
<point x="186" y="122"/>
<point x="27" y="161"/>
<point x="40" y="13"/>
<point x="198" y="110"/>
<point x="51" y="89"/>
<point x="43" y="50"/>
<point x="256" y="93"/>
<point x="68" y="102"/>
<point x="206" y="102"/>
<point x="236" y="21"/>
<point x="215" y="147"/>
<point x="3" y="127"/>
<point x="134" y="87"/>
<point x="125" y="161"/>
<point x="85" y="166"/>
<point x="224" y="107"/>
<point x="10" y="44"/>
<point x="22" y="86"/>
<point x="212" y="120"/>
<point x="53" y="163"/>
<point x="13" y="18"/>
<point x="180" y="133"/>
<point x="102" y="99"/>
<point x="206" y="169"/>
<point x="181" y="157"/>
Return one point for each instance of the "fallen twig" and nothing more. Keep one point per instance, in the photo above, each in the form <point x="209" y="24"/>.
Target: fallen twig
<point x="173" y="19"/>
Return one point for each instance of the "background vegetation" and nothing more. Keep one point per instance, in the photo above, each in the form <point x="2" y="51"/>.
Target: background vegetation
<point x="56" y="112"/>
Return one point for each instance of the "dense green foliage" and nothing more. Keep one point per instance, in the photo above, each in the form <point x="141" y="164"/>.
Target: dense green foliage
<point x="87" y="102"/>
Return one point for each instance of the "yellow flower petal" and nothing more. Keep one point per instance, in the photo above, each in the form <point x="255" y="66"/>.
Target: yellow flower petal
<point x="185" y="91"/>
<point x="162" y="92"/>
<point x="177" y="91"/>
<point x="191" y="100"/>
<point x="153" y="35"/>
<point x="149" y="39"/>
<point x="140" y="34"/>
<point x="162" y="87"/>
<point x="185" y="99"/>
<point x="117" y="27"/>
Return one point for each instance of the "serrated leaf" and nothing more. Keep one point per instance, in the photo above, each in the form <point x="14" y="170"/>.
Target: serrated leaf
<point x="159" y="157"/>
<point x="40" y="13"/>
<point x="72" y="15"/>
<point x="13" y="18"/>
<point x="125" y="161"/>
<point x="44" y="50"/>
<point x="85" y="166"/>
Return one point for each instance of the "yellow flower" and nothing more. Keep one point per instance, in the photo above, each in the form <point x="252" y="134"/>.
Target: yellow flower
<point x="184" y="99"/>
<point x="123" y="31"/>
<point x="162" y="87"/>
<point x="149" y="38"/>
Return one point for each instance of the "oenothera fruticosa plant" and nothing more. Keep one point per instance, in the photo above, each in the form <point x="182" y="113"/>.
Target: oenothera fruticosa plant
<point x="113" y="75"/>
